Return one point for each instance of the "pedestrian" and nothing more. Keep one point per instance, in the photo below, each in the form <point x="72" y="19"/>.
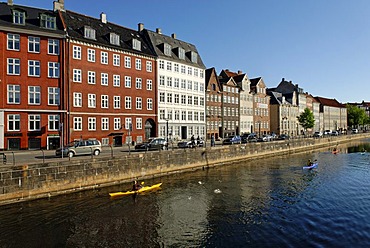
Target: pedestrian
<point x="212" y="140"/>
<point x="192" y="141"/>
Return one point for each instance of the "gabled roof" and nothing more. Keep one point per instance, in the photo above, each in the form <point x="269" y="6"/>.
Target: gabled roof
<point x="329" y="102"/>
<point x="227" y="81"/>
<point x="288" y="87"/>
<point x="208" y="73"/>
<point x="156" y="40"/>
<point x="255" y="81"/>
<point x="75" y="24"/>
<point x="32" y="21"/>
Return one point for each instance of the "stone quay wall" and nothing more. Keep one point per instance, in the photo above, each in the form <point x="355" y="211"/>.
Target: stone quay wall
<point x="33" y="181"/>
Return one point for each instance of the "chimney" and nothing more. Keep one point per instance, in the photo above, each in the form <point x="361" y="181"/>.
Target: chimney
<point x="159" y="31"/>
<point x="283" y="79"/>
<point x="103" y="17"/>
<point x="58" y="5"/>
<point x="140" y="27"/>
<point x="173" y="35"/>
<point x="10" y="2"/>
<point x="240" y="72"/>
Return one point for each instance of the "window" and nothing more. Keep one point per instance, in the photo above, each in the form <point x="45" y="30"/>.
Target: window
<point x="161" y="80"/>
<point x="104" y="79"/>
<point x="176" y="83"/>
<point x="91" y="77"/>
<point x="177" y="99"/>
<point x="34" y="122"/>
<point x="183" y="69"/>
<point x="76" y="52"/>
<point x="127" y="62"/>
<point x="91" y="55"/>
<point x="169" y="97"/>
<point x="190" y="71"/>
<point x="14" y="122"/>
<point x="104" y="101"/>
<point x="13" y="42"/>
<point x="89" y="33"/>
<point x="139" y="83"/>
<point x="117" y="123"/>
<point x="194" y="57"/>
<point x="196" y="101"/>
<point x="196" y="86"/>
<point x="33" y="68"/>
<point x="196" y="72"/>
<point x="127" y="102"/>
<point x="77" y="123"/>
<point x="53" y="96"/>
<point x="116" y="80"/>
<point x="114" y="39"/>
<point x="53" y="69"/>
<point x="162" y="97"/>
<point x="138" y="64"/>
<point x="34" y="94"/>
<point x="19" y="17"/>
<point x="169" y="66"/>
<point x="190" y="85"/>
<point x="91" y="123"/>
<point x="162" y="114"/>
<point x="14" y="94"/>
<point x="167" y="49"/>
<point x="104" y="123"/>
<point x="149" y="104"/>
<point x="181" y="53"/>
<point x="117" y="102"/>
<point x="48" y="22"/>
<point x="139" y="103"/>
<point x="53" y="47"/>
<point x="183" y="84"/>
<point x="77" y="75"/>
<point x="33" y="44"/>
<point x="77" y="99"/>
<point x="190" y="115"/>
<point x="169" y="81"/>
<point x="53" y="121"/>
<point x="91" y="100"/>
<point x="116" y="60"/>
<point x="161" y="64"/>
<point x="176" y="67"/>
<point x="149" y="67"/>
<point x="149" y="84"/>
<point x="183" y="99"/>
<point x="183" y="115"/>
<point x="139" y="123"/>
<point x="127" y="81"/>
<point x="136" y="44"/>
<point x="128" y="124"/>
<point x="14" y="66"/>
<point x="190" y="100"/>
<point x="104" y="58"/>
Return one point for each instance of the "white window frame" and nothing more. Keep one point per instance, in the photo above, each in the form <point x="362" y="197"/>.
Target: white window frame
<point x="104" y="58"/>
<point x="77" y="123"/>
<point x="53" y="96"/>
<point x="104" y="123"/>
<point x="104" y="101"/>
<point x="116" y="60"/>
<point x="14" y="94"/>
<point x="149" y="66"/>
<point x="91" y="77"/>
<point x="53" y="70"/>
<point x="139" y="83"/>
<point x="53" y="122"/>
<point x="77" y="52"/>
<point x="127" y="82"/>
<point x="91" y="100"/>
<point x="128" y="103"/>
<point x="127" y="62"/>
<point x="116" y="102"/>
<point x="77" y="99"/>
<point x="138" y="64"/>
<point x="34" y="95"/>
<point x="91" y="123"/>
<point x="14" y="122"/>
<point x="91" y="55"/>
<point x="13" y="42"/>
<point x="34" y="122"/>
<point x="149" y="84"/>
<point x="33" y="44"/>
<point x="34" y="68"/>
<point x="139" y="103"/>
<point x="104" y="79"/>
<point x="53" y="46"/>
<point x="77" y="75"/>
<point x="14" y="66"/>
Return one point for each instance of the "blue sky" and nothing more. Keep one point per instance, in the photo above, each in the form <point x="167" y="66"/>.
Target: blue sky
<point x="323" y="46"/>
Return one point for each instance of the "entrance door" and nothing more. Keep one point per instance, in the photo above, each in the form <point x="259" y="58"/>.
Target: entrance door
<point x="34" y="143"/>
<point x="14" y="144"/>
<point x="53" y="143"/>
<point x="184" y="132"/>
<point x="117" y="140"/>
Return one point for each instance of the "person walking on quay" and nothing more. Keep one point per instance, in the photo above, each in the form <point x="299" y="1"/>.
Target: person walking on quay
<point x="192" y="141"/>
<point x="212" y="140"/>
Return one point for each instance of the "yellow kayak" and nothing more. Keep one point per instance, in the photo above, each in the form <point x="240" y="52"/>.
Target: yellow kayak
<point x="130" y="192"/>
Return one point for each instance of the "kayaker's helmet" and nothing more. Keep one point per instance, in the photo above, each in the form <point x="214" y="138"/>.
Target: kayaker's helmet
<point x="142" y="183"/>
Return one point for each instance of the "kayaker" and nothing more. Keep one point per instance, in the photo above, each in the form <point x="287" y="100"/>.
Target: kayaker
<point x="309" y="162"/>
<point x="136" y="186"/>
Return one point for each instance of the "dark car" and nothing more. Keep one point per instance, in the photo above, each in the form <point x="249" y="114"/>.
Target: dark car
<point x="152" y="144"/>
<point x="232" y="140"/>
<point x="188" y="144"/>
<point x="252" y="137"/>
<point x="283" y="137"/>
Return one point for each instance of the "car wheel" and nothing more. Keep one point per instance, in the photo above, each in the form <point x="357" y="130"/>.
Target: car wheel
<point x="70" y="154"/>
<point x="163" y="147"/>
<point x="96" y="152"/>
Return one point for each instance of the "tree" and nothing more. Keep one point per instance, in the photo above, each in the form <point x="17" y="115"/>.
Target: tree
<point x="356" y="116"/>
<point x="306" y="119"/>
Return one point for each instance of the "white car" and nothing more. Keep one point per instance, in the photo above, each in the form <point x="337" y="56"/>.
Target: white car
<point x="355" y="130"/>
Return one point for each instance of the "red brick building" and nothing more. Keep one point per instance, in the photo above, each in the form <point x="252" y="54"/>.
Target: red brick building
<point x="110" y="88"/>
<point x="30" y="79"/>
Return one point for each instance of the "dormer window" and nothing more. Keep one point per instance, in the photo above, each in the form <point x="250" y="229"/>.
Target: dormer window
<point x="167" y="49"/>
<point x="19" y="17"/>
<point x="136" y="44"/>
<point x="194" y="57"/>
<point x="114" y="39"/>
<point x="181" y="53"/>
<point x="89" y="33"/>
<point x="48" y="22"/>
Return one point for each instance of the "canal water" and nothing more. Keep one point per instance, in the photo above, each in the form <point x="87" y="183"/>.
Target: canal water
<point x="265" y="203"/>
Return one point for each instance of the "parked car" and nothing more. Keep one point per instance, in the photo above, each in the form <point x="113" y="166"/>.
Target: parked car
<point x="327" y="132"/>
<point x="264" y="138"/>
<point x="317" y="134"/>
<point x="355" y="130"/>
<point x="334" y="133"/>
<point x="152" y="144"/>
<point x="232" y="140"/>
<point x="80" y="147"/>
<point x="188" y="144"/>
<point x="283" y="137"/>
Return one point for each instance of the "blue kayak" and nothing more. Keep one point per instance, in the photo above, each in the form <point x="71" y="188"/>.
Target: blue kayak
<point x="314" y="165"/>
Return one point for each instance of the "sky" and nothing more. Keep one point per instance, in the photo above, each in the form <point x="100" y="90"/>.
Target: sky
<point x="323" y="46"/>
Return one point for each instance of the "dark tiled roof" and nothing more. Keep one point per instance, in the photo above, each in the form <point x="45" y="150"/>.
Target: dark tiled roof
<point x="208" y="74"/>
<point x="329" y="102"/>
<point x="76" y="22"/>
<point x="255" y="81"/>
<point x="157" y="40"/>
<point x="32" y="21"/>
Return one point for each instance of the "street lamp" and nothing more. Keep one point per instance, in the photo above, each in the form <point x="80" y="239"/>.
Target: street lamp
<point x="167" y="132"/>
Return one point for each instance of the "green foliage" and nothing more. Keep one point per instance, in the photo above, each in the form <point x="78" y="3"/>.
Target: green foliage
<point x="356" y="116"/>
<point x="306" y="119"/>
